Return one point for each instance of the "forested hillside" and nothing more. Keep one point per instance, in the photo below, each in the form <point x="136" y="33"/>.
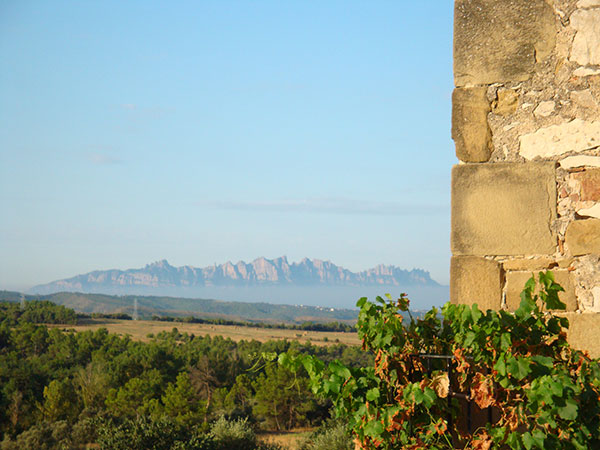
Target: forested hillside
<point x="149" y="305"/>
<point x="62" y="389"/>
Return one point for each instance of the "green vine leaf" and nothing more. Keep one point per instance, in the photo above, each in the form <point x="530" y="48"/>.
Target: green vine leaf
<point x="374" y="429"/>
<point x="518" y="367"/>
<point x="373" y="394"/>
<point x="569" y="411"/>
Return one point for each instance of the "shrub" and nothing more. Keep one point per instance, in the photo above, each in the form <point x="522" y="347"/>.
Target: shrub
<point x="330" y="436"/>
<point x="83" y="432"/>
<point x="43" y="436"/>
<point x="143" y="433"/>
<point x="233" y="434"/>
<point x="546" y="395"/>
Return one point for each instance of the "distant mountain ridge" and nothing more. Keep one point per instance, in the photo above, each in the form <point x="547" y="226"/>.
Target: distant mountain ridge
<point x="260" y="272"/>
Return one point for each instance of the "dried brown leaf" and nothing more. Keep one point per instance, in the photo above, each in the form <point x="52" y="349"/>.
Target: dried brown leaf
<point x="482" y="391"/>
<point x="482" y="442"/>
<point x="441" y="385"/>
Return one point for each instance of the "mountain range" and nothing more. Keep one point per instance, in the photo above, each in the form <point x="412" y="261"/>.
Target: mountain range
<point x="276" y="272"/>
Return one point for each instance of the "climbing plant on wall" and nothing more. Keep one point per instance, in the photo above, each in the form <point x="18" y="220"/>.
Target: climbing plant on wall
<point x="539" y="392"/>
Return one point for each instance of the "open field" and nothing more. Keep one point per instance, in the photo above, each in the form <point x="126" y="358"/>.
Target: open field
<point x="140" y="329"/>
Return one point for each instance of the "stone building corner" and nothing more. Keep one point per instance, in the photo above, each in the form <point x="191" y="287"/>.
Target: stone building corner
<point x="526" y="127"/>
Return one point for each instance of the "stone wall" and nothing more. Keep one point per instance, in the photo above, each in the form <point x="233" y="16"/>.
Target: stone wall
<point x="526" y="125"/>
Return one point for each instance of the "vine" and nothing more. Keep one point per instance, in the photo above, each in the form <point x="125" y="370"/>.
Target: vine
<point x="541" y="393"/>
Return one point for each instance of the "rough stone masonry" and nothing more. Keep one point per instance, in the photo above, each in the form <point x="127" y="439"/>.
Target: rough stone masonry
<point x="526" y="125"/>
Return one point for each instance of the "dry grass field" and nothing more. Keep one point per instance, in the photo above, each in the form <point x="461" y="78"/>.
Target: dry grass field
<point x="140" y="329"/>
<point x="290" y="440"/>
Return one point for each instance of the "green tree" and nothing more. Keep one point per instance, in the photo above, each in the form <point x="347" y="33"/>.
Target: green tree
<point x="240" y="398"/>
<point x="182" y="403"/>
<point x="136" y="397"/>
<point x="60" y="401"/>
<point x="282" y="398"/>
<point x="92" y="385"/>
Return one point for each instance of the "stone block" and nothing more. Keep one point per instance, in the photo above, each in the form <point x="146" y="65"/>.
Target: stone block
<point x="507" y="102"/>
<point x="565" y="263"/>
<point x="515" y="281"/>
<point x="543" y="262"/>
<point x="572" y="162"/>
<point x="499" y="41"/>
<point x="586" y="44"/>
<point x="590" y="184"/>
<point x="544" y="109"/>
<point x="586" y="72"/>
<point x="584" y="98"/>
<point x="584" y="332"/>
<point x="583" y="237"/>
<point x="470" y="130"/>
<point x="503" y="209"/>
<point x="574" y="136"/>
<point x="593" y="211"/>
<point x="476" y="280"/>
<point x="588" y="3"/>
<point x="596" y="297"/>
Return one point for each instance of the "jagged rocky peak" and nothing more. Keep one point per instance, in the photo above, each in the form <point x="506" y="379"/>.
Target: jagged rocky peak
<point x="231" y="271"/>
<point x="265" y="270"/>
<point x="283" y="265"/>
<point x="161" y="264"/>
<point x="381" y="269"/>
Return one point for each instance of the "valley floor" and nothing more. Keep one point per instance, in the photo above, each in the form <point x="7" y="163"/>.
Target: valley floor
<point x="140" y="329"/>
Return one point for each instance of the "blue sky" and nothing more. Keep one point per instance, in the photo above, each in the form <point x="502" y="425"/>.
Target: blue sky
<point x="208" y="131"/>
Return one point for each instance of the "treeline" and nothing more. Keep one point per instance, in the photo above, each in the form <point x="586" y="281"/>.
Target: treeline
<point x="44" y="311"/>
<point x="61" y="389"/>
<point x="118" y="316"/>
<point x="305" y="326"/>
<point x="36" y="311"/>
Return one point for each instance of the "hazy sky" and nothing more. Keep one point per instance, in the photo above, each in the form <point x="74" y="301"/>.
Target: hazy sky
<point x="208" y="131"/>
